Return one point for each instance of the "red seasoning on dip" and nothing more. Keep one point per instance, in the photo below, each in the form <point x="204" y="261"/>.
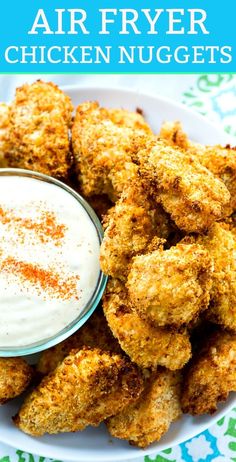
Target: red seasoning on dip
<point x="49" y="260"/>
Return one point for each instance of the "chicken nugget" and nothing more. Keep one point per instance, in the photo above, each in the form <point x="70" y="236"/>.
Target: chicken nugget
<point x="94" y="333"/>
<point x="130" y="227"/>
<point x="4" y="133"/>
<point x="149" y="418"/>
<point x="188" y="191"/>
<point x="102" y="147"/>
<point x="146" y="345"/>
<point x="87" y="387"/>
<point x="231" y="222"/>
<point x="171" y="287"/>
<point x="101" y="204"/>
<point x="220" y="242"/>
<point x="211" y="375"/>
<point x="173" y="133"/>
<point x="15" y="376"/>
<point x="134" y="120"/>
<point x="221" y="161"/>
<point x="40" y="118"/>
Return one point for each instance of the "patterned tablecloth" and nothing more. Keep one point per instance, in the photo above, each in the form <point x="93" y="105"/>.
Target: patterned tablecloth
<point x="215" y="97"/>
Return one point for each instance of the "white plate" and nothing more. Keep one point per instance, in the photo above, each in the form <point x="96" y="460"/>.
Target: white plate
<point x="95" y="444"/>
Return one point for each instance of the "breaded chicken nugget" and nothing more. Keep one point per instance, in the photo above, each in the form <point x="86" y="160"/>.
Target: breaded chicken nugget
<point x="211" y="375"/>
<point x="87" y="387"/>
<point x="189" y="192"/>
<point x="221" y="161"/>
<point x="123" y="118"/>
<point x="15" y="376"/>
<point x="40" y="118"/>
<point x="146" y="345"/>
<point x="101" y="204"/>
<point x="171" y="287"/>
<point x="4" y="133"/>
<point x="94" y="333"/>
<point x="173" y="133"/>
<point x="102" y="146"/>
<point x="220" y="242"/>
<point x="231" y="222"/>
<point x="130" y="227"/>
<point x="149" y="418"/>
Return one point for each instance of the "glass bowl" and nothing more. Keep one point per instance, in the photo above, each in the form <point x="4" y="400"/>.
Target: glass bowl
<point x="101" y="282"/>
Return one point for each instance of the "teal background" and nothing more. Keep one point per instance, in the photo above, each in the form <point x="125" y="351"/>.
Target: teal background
<point x="17" y="17"/>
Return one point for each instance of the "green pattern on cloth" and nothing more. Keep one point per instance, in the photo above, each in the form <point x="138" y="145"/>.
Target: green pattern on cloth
<point x="215" y="97"/>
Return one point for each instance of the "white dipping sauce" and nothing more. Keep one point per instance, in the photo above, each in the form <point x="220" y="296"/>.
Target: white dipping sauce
<point x="49" y="260"/>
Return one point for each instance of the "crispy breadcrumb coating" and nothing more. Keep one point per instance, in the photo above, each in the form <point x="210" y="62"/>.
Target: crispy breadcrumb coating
<point x="171" y="287"/>
<point x="149" y="418"/>
<point x="123" y="118"/>
<point x="146" y="345"/>
<point x="189" y="192"/>
<point x="130" y="227"/>
<point x="163" y="189"/>
<point x="101" y="204"/>
<point x="102" y="145"/>
<point x="15" y="376"/>
<point x="94" y="333"/>
<point x="87" y="387"/>
<point x="4" y="133"/>
<point x="173" y="133"/>
<point x="220" y="242"/>
<point x="211" y="375"/>
<point x="231" y="221"/>
<point x="221" y="161"/>
<point x="40" y="118"/>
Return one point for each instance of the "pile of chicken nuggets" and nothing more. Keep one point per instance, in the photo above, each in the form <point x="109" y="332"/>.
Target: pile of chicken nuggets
<point x="163" y="341"/>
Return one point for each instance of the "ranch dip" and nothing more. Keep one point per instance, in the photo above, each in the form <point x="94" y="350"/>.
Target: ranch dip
<point x="49" y="260"/>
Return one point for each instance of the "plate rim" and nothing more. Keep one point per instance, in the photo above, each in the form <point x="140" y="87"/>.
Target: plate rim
<point x="139" y="452"/>
<point x="157" y="97"/>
